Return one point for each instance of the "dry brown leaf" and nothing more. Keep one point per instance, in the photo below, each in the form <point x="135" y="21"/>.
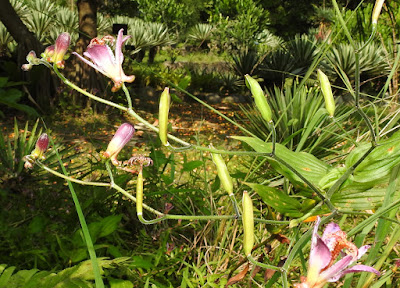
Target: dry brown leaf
<point x="238" y="277"/>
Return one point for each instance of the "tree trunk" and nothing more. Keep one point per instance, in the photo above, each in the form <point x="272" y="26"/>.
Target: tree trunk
<point x="85" y="76"/>
<point x="27" y="41"/>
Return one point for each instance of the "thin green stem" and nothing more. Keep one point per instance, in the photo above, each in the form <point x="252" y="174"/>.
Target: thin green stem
<point x="85" y="230"/>
<point x="128" y="96"/>
<point x="273" y="130"/>
<point x="335" y="187"/>
<point x="90" y="95"/>
<point x="305" y="180"/>
<point x="343" y="23"/>
<point x="262" y="265"/>
<point x="68" y="178"/>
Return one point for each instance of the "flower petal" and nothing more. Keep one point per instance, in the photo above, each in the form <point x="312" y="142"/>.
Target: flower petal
<point x="119" y="57"/>
<point x="332" y="272"/>
<point x="89" y="63"/>
<point x="103" y="57"/>
<point x="362" y="250"/>
<point x="355" y="268"/>
<point x="320" y="257"/>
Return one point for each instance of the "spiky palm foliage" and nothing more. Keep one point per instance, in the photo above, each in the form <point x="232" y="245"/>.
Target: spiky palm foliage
<point x="200" y="33"/>
<point x="294" y="58"/>
<point x="302" y="50"/>
<point x="21" y="9"/>
<point x="246" y="62"/>
<point x="341" y="62"/>
<point x="104" y="24"/>
<point x="158" y="34"/>
<point x="40" y="20"/>
<point x="300" y="119"/>
<point x="267" y="41"/>
<point x="7" y="43"/>
<point x="67" y="20"/>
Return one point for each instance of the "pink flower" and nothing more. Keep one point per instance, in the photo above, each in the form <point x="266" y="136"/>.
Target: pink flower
<point x="61" y="47"/>
<point x="55" y="53"/>
<point x="120" y="139"/>
<point x="38" y="153"/>
<point x="325" y="250"/>
<point x="104" y="61"/>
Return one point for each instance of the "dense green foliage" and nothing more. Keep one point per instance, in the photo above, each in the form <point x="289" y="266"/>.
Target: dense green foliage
<point x="301" y="163"/>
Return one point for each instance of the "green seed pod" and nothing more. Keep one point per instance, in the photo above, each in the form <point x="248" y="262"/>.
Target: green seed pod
<point x="259" y="98"/>
<point x="165" y="100"/>
<point x="376" y="12"/>
<point x="327" y="92"/>
<point x="248" y="224"/>
<point x="139" y="194"/>
<point x="223" y="173"/>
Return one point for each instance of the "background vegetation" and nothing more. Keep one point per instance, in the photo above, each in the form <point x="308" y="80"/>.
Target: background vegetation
<point x="204" y="48"/>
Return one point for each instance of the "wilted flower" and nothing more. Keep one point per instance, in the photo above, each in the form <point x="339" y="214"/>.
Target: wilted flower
<point x="322" y="267"/>
<point x="121" y="137"/>
<point x="104" y="61"/>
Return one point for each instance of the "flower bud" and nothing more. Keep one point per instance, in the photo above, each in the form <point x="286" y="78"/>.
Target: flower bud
<point x="165" y="100"/>
<point x="223" y="172"/>
<point x="61" y="47"/>
<point x="41" y="147"/>
<point x="121" y="137"/>
<point x="248" y="224"/>
<point x="327" y="92"/>
<point x="259" y="98"/>
<point x="48" y="53"/>
<point x="377" y="11"/>
<point x="32" y="60"/>
<point x="139" y="193"/>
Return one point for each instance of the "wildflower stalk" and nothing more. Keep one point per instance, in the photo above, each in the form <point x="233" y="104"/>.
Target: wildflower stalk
<point x="85" y="230"/>
<point x="127" y="95"/>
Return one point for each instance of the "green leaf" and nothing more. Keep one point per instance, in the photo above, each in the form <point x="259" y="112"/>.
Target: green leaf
<point x="3" y="81"/>
<point x="191" y="165"/>
<point x="119" y="283"/>
<point x="5" y="276"/>
<point x="304" y="163"/>
<point x="278" y="200"/>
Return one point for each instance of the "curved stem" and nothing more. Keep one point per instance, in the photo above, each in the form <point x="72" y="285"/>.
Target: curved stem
<point x="312" y="186"/>
<point x="266" y="266"/>
<point x="128" y="96"/>
<point x="90" y="95"/>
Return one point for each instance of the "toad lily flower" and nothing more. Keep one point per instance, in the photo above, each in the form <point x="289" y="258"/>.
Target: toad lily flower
<point x="104" y="61"/>
<point x="322" y="267"/>
<point x="55" y="53"/>
<point x="40" y="148"/>
<point x="120" y="139"/>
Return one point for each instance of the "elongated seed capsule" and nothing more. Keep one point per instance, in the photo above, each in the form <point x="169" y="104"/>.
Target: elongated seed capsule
<point x="223" y="173"/>
<point x="327" y="92"/>
<point x="165" y="100"/>
<point x="259" y="98"/>
<point x="139" y="194"/>
<point x="248" y="224"/>
<point x="376" y="12"/>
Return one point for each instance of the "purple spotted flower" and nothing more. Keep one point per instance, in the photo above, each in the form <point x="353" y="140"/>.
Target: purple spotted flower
<point x="325" y="250"/>
<point x="120" y="139"/>
<point x="103" y="59"/>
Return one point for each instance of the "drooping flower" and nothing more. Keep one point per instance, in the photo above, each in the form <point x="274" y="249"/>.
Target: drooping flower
<point x="103" y="59"/>
<point x="120" y="139"/>
<point x="325" y="250"/>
